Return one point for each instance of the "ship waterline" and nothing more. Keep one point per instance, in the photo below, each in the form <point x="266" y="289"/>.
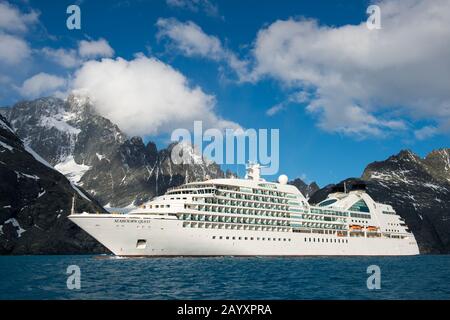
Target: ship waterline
<point x="247" y="217"/>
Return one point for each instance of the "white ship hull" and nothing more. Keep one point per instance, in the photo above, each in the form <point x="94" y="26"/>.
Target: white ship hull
<point x="127" y="235"/>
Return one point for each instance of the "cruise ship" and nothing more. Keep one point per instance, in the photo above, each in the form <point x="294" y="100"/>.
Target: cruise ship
<point x="252" y="217"/>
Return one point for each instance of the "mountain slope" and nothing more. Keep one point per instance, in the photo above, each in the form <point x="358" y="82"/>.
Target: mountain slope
<point x="93" y="152"/>
<point x="417" y="189"/>
<point x="307" y="189"/>
<point x="35" y="201"/>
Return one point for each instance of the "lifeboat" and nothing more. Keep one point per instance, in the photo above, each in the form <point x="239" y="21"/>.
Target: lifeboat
<point x="372" y="228"/>
<point x="355" y="227"/>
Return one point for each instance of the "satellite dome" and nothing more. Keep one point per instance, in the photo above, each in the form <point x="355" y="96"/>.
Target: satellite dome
<point x="283" y="179"/>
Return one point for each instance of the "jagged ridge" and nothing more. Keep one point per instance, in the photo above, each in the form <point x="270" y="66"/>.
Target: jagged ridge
<point x="94" y="152"/>
<point x="35" y="201"/>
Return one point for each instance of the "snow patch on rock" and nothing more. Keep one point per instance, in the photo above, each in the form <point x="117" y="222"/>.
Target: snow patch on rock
<point x="59" y="124"/>
<point x="6" y="146"/>
<point x="24" y="175"/>
<point x="16" y="224"/>
<point x="5" y="126"/>
<point x="72" y="170"/>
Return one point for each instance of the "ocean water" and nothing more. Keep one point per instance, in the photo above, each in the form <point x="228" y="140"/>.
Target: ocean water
<point x="108" y="277"/>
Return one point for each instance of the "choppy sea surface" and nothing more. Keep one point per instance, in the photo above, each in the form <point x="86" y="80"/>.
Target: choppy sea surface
<point x="108" y="277"/>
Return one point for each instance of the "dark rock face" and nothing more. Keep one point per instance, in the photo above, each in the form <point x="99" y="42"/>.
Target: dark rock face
<point x="35" y="201"/>
<point x="94" y="153"/>
<point x="437" y="163"/>
<point x="418" y="189"/>
<point x="307" y="189"/>
<point x="4" y="111"/>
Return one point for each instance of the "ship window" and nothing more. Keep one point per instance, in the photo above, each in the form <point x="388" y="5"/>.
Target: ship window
<point x="360" y="206"/>
<point x="214" y="237"/>
<point x="327" y="202"/>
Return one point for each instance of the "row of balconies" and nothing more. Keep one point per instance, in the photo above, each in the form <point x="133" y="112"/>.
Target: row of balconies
<point x="245" y="220"/>
<point x="238" y="210"/>
<point x="251" y="197"/>
<point x="246" y="204"/>
<point x="319" y="225"/>
<point x="230" y="226"/>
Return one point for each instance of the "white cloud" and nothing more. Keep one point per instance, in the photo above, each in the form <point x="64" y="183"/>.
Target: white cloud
<point x="206" y="6"/>
<point x="67" y="58"/>
<point x="359" y="77"/>
<point x="95" y="49"/>
<point x="297" y="97"/>
<point x="426" y="132"/>
<point x="42" y="84"/>
<point x="191" y="40"/>
<point x="276" y="109"/>
<point x="87" y="50"/>
<point x="145" y="96"/>
<point x="12" y="20"/>
<point x="13" y="50"/>
<point x="14" y="25"/>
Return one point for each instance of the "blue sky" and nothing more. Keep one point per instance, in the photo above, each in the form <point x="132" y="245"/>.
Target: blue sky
<point x="357" y="111"/>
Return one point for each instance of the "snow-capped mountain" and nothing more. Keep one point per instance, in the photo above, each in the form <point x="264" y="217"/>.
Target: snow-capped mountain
<point x="35" y="201"/>
<point x="94" y="153"/>
<point x="418" y="189"/>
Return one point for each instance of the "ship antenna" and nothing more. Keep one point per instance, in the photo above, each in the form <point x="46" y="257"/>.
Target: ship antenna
<point x="72" y="211"/>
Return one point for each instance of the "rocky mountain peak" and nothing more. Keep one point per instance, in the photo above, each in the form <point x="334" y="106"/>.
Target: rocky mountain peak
<point x="407" y="155"/>
<point x="306" y="189"/>
<point x="35" y="203"/>
<point x="93" y="152"/>
<point x="437" y="164"/>
<point x="79" y="105"/>
<point x="401" y="166"/>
